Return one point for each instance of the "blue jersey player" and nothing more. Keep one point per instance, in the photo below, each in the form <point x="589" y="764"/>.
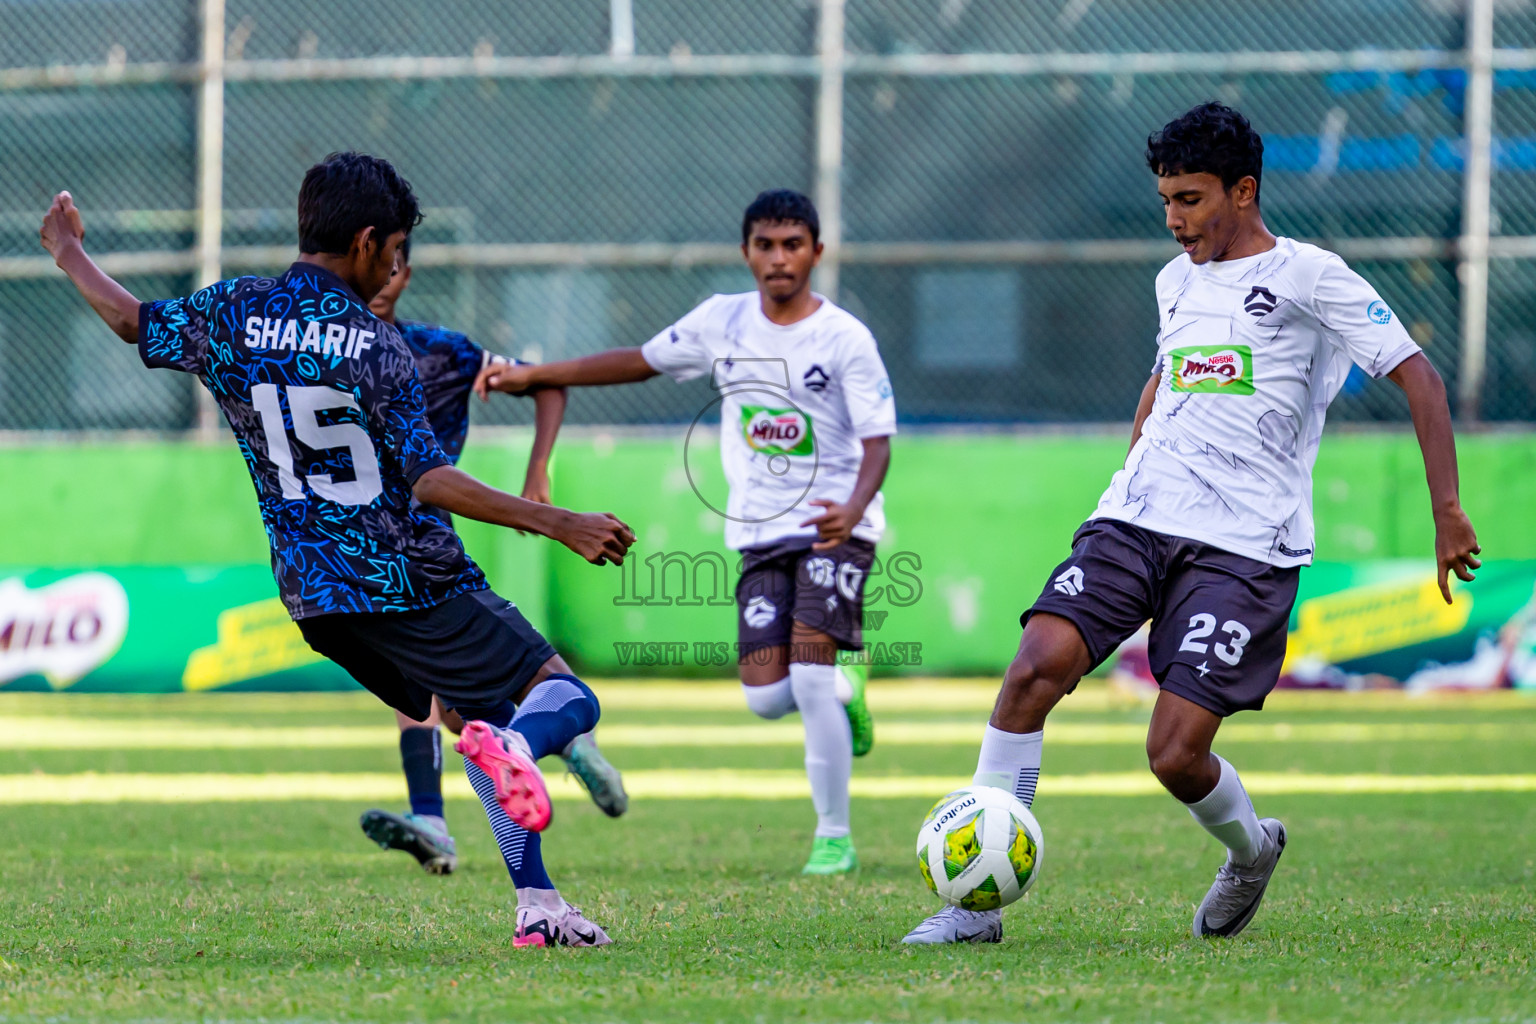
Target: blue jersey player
<point x="447" y="363"/>
<point x="326" y="406"/>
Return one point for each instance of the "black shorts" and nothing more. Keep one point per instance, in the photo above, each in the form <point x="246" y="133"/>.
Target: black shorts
<point x="474" y="651"/>
<point x="1219" y="620"/>
<point x="784" y="583"/>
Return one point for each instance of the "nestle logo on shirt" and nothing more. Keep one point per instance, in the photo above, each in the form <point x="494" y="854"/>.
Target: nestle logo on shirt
<point x="317" y="336"/>
<point x="1227" y="370"/>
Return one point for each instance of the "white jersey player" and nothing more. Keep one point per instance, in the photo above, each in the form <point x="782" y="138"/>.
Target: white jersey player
<point x="1206" y="527"/>
<point x="806" y="415"/>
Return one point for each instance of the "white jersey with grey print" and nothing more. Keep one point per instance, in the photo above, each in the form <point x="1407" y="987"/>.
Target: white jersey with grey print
<point x="1251" y="352"/>
<point x="796" y="401"/>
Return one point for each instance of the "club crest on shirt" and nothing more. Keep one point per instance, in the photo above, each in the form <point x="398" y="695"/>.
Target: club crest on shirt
<point x="777" y="431"/>
<point x="1260" y="302"/>
<point x="1214" y="371"/>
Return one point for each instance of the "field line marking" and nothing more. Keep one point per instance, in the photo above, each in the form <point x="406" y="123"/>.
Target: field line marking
<point x="109" y="788"/>
<point x="43" y="733"/>
<point x="948" y="695"/>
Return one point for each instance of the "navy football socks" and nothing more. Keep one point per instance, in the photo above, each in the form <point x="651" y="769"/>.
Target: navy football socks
<point x="519" y="847"/>
<point x="554" y="713"/>
<point x="421" y="756"/>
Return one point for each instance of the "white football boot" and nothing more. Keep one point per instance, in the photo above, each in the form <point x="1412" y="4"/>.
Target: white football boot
<point x="1238" y="890"/>
<point x="955" y="925"/>
<point x="565" y="926"/>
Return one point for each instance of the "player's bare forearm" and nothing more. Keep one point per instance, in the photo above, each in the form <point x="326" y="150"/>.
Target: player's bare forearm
<point x="872" y="470"/>
<point x="616" y="366"/>
<point x="597" y="537"/>
<point x="63" y="235"/>
<point x="1144" y="406"/>
<point x="1432" y="422"/>
<point x="548" y="413"/>
<point x="838" y="518"/>
<point x="1456" y="547"/>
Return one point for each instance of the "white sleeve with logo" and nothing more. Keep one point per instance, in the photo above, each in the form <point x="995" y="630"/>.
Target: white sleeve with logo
<point x="1357" y="320"/>
<point x="682" y="351"/>
<point x="867" y="388"/>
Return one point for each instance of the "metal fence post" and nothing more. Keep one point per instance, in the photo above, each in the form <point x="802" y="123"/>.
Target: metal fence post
<point x="829" y="142"/>
<point x="621" y="28"/>
<point x="1476" y="209"/>
<point x="210" y="176"/>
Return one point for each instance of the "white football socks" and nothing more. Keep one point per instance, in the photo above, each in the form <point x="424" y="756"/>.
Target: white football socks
<point x="545" y="899"/>
<point x="1227" y="813"/>
<point x="1010" y="761"/>
<point x="828" y="744"/>
<point x="775" y="700"/>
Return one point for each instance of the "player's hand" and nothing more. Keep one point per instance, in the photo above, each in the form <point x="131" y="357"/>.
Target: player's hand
<point x="513" y="378"/>
<point x="835" y="525"/>
<point x="599" y="537"/>
<point x="62" y="227"/>
<point x="1455" y="548"/>
<point x="536" y="487"/>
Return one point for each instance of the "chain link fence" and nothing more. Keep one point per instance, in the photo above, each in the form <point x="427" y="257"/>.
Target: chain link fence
<point x="584" y="165"/>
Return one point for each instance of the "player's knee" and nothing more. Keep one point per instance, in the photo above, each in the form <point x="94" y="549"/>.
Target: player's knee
<point x="774" y="700"/>
<point x="1174" y="761"/>
<point x="586" y="709"/>
<point x="1027" y="677"/>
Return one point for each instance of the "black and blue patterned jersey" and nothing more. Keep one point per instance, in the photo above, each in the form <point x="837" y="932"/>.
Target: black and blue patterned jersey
<point x="328" y="411"/>
<point x="447" y="363"/>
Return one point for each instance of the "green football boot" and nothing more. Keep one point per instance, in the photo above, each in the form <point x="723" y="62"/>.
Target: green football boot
<point x="856" y="670"/>
<point x="600" y="779"/>
<point x="831" y="857"/>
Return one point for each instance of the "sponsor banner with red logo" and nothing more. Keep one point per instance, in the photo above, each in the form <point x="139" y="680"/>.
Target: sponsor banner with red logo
<point x="153" y="630"/>
<point x="1383" y="623"/>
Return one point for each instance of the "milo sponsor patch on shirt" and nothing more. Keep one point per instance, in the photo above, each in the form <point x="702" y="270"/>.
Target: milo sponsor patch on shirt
<point x="1224" y="369"/>
<point x="777" y="431"/>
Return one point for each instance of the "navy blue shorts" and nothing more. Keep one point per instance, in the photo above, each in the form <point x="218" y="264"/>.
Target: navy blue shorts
<point x="1219" y="620"/>
<point x="474" y="651"/>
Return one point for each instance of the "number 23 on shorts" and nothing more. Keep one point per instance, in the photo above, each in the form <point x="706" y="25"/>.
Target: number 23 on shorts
<point x="1202" y="625"/>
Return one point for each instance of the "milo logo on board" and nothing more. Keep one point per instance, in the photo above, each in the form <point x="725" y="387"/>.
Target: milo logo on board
<point x="777" y="431"/>
<point x="1227" y="370"/>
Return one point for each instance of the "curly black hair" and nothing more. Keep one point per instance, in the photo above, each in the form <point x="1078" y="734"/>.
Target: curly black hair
<point x="1209" y="139"/>
<point x="781" y="206"/>
<point x="347" y="192"/>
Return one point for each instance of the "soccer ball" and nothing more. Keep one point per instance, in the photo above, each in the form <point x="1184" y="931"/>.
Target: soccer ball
<point x="979" y="848"/>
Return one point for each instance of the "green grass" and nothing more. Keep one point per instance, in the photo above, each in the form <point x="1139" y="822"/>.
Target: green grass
<point x="1385" y="908"/>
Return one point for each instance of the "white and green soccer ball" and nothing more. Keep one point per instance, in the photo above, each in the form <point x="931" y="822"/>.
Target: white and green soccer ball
<point x="979" y="848"/>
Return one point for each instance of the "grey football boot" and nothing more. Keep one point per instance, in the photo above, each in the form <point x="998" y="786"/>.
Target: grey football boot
<point x="602" y="781"/>
<point x="420" y="837"/>
<point x="955" y="925"/>
<point x="1238" y="890"/>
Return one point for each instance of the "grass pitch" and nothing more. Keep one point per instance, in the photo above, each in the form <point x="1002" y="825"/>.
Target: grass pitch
<point x="1410" y="895"/>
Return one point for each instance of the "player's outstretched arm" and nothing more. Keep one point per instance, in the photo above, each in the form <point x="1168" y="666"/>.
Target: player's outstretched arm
<point x="616" y="366"/>
<point x="63" y="235"/>
<point x="596" y="536"/>
<point x="548" y="412"/>
<point x="835" y="524"/>
<point x="1456" y="547"/>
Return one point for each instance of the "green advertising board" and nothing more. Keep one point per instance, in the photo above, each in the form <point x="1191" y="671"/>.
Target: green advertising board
<point x="976" y="523"/>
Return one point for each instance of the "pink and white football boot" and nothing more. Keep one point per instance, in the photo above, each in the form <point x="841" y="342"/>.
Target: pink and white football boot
<point x="566" y="926"/>
<point x="503" y="754"/>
